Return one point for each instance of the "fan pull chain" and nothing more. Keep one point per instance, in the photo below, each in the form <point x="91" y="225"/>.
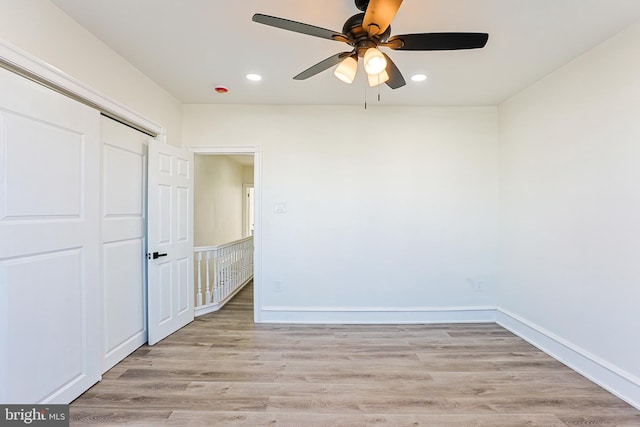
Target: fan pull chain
<point x="365" y="97"/>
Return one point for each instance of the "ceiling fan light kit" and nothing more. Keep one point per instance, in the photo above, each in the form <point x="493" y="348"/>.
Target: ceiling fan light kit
<point x="347" y="69"/>
<point x="365" y="33"/>
<point x="378" y="79"/>
<point x="374" y="61"/>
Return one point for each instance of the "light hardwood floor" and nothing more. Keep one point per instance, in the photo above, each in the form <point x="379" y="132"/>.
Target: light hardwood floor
<point x="222" y="370"/>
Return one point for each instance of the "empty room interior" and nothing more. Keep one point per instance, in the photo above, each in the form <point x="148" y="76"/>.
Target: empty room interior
<point x="451" y="238"/>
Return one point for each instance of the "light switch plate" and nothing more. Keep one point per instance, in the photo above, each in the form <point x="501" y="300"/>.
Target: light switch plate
<point x="280" y="208"/>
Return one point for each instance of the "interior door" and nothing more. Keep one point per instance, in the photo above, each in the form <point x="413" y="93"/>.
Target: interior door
<point x="49" y="244"/>
<point x="124" y="199"/>
<point x="170" y="237"/>
<point x="247" y="207"/>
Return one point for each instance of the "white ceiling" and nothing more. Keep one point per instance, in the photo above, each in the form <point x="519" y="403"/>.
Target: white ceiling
<point x="190" y="46"/>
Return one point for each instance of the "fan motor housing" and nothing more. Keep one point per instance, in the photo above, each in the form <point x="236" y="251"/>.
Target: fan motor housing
<point x="353" y="27"/>
<point x="359" y="38"/>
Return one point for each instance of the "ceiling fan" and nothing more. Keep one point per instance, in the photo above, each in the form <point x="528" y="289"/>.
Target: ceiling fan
<point x="368" y="31"/>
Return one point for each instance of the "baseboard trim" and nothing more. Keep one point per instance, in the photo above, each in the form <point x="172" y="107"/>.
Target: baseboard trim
<point x="613" y="379"/>
<point x="377" y="315"/>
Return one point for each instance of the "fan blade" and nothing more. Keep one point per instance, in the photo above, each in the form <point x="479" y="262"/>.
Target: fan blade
<point x="379" y="15"/>
<point x="298" y="27"/>
<point x="322" y="65"/>
<point x="437" y="41"/>
<point x="395" y="76"/>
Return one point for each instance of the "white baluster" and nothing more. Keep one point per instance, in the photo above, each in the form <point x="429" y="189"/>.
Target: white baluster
<point x="245" y="267"/>
<point x="229" y="279"/>
<point x="220" y="274"/>
<point x="249" y="262"/>
<point x="216" y="280"/>
<point x="232" y="269"/>
<point x="221" y="284"/>
<point x="199" y="279"/>
<point x="240" y="267"/>
<point x="208" y="294"/>
<point x="226" y="273"/>
<point x="219" y="279"/>
<point x="249" y="258"/>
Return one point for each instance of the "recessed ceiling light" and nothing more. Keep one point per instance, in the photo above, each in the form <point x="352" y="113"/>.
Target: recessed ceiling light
<point x="254" y="77"/>
<point x="419" y="77"/>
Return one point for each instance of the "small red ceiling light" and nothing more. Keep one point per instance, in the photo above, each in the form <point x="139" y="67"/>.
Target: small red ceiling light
<point x="221" y="89"/>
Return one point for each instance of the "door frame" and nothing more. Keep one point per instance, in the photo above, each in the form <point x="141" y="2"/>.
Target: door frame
<point x="256" y="150"/>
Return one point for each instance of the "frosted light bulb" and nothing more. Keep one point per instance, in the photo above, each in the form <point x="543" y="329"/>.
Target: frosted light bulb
<point x="374" y="61"/>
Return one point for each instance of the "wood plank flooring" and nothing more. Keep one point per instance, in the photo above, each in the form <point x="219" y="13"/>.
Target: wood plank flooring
<point x="222" y="370"/>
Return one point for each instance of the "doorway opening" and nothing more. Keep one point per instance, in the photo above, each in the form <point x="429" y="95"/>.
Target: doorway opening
<point x="226" y="226"/>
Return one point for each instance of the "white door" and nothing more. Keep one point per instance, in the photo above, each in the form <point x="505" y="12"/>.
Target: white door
<point x="124" y="199"/>
<point x="247" y="207"/>
<point x="170" y="237"/>
<point x="49" y="244"/>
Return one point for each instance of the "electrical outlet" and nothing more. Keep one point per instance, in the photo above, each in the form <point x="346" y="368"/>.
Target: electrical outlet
<point x="277" y="286"/>
<point x="475" y="284"/>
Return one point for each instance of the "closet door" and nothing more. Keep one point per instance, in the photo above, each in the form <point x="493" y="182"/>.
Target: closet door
<point x="124" y="170"/>
<point x="49" y="244"/>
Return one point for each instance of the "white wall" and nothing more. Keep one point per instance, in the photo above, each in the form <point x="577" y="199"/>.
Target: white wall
<point x="247" y="174"/>
<point x="41" y="29"/>
<point x="386" y="208"/>
<point x="570" y="209"/>
<point x="218" y="200"/>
